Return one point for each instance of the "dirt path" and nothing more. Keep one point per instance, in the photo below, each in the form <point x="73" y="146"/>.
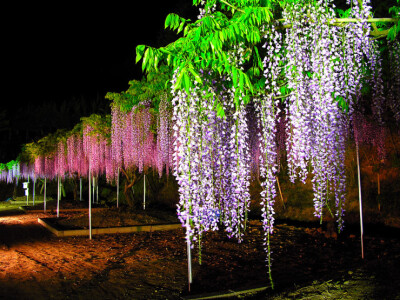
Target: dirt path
<point x="35" y="264"/>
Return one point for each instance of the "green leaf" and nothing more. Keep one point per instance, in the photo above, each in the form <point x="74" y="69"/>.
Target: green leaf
<point x="260" y="84"/>
<point x="178" y="82"/>
<point x="258" y="58"/>
<point x="167" y="21"/>
<point x="342" y="103"/>
<point x="246" y="99"/>
<point x="254" y="72"/>
<point x="139" y="52"/>
<point x="145" y="58"/>
<point x="220" y="111"/>
<point x="187" y="83"/>
<point x="241" y="81"/>
<point x="181" y="27"/>
<point x="248" y="82"/>
<point x="234" y="76"/>
<point x="196" y="76"/>
<point x="156" y="63"/>
<point x="174" y="22"/>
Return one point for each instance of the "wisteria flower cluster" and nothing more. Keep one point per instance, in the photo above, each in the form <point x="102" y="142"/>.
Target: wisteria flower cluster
<point x="164" y="137"/>
<point x="313" y="74"/>
<point x="211" y="162"/>
<point x="323" y="68"/>
<point x="254" y="141"/>
<point x="267" y="107"/>
<point x="10" y="172"/>
<point x="133" y="143"/>
<point x="378" y="98"/>
<point x="95" y="149"/>
<point x="393" y="97"/>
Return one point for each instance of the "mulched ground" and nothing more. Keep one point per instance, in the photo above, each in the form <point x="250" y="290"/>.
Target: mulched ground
<point x="113" y="217"/>
<point x="308" y="264"/>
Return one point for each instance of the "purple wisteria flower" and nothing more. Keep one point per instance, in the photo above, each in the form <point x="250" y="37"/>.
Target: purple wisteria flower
<point x="322" y="66"/>
<point x="267" y="108"/>
<point x="211" y="160"/>
<point x="393" y="97"/>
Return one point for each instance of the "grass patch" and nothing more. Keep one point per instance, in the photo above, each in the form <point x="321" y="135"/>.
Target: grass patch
<point x="21" y="201"/>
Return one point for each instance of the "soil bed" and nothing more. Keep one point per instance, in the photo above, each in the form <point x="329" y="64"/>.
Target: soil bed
<point x="34" y="264"/>
<point x="51" y="205"/>
<point x="112" y="217"/>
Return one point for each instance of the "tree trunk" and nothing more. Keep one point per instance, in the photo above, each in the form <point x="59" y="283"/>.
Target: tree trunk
<point x="75" y="190"/>
<point x="131" y="180"/>
<point x="128" y="193"/>
<point x="14" y="196"/>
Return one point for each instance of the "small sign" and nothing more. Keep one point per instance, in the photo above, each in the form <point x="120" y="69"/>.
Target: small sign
<point x="25" y="185"/>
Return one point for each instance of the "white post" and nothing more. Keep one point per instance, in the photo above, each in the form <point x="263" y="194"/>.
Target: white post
<point x="61" y="188"/>
<point x="58" y="196"/>
<point x="94" y="189"/>
<point x="189" y="255"/>
<point x="118" y="187"/>
<point x="93" y="184"/>
<point x="97" y="190"/>
<point x="27" y="193"/>
<point x="44" y="196"/>
<point x="360" y="202"/>
<point x="90" y="206"/>
<point x="144" y="192"/>
<point x="33" y="193"/>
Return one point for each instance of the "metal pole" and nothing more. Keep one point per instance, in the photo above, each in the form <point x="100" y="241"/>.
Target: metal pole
<point x="44" y="197"/>
<point x="80" y="188"/>
<point x="27" y="193"/>
<point x="94" y="189"/>
<point x="360" y="202"/>
<point x="189" y="255"/>
<point x="33" y="193"/>
<point x="144" y="192"/>
<point x="93" y="184"/>
<point x="58" y="196"/>
<point x="118" y="187"/>
<point x="97" y="190"/>
<point x="90" y="206"/>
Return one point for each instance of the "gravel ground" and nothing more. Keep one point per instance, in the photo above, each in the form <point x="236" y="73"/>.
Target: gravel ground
<point x="309" y="263"/>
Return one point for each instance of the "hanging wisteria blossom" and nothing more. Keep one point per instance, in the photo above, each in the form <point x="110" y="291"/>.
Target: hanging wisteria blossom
<point x="317" y="123"/>
<point x="268" y="111"/>
<point x="393" y="97"/>
<point x="210" y="163"/>
<point x="164" y="137"/>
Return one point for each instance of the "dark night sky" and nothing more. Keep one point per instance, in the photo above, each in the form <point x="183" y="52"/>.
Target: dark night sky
<point x="68" y="49"/>
<point x="52" y="53"/>
<point x="64" y="50"/>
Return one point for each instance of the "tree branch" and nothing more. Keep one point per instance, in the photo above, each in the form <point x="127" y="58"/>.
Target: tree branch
<point x="230" y="5"/>
<point x="369" y="20"/>
<point x="342" y="21"/>
<point x="126" y="174"/>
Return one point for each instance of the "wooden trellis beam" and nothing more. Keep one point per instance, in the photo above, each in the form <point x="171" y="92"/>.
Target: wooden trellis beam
<point x="370" y="20"/>
<point x="376" y="33"/>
